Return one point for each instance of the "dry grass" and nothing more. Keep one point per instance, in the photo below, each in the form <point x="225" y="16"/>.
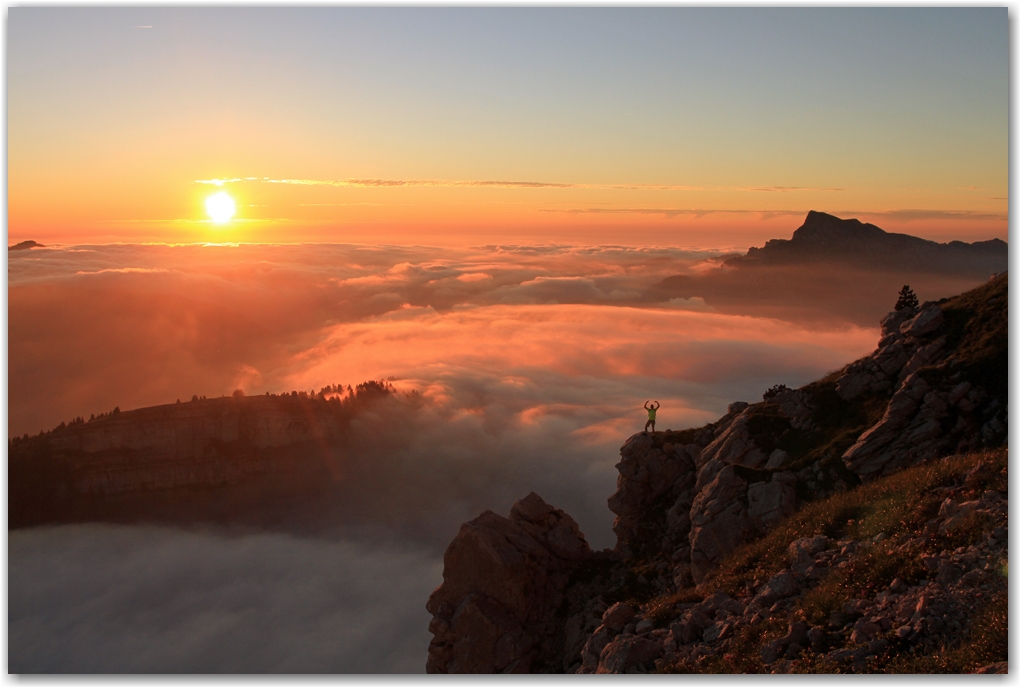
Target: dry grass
<point x="903" y="502"/>
<point x="986" y="641"/>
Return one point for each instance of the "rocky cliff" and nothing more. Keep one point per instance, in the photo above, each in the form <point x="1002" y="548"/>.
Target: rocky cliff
<point x="809" y="531"/>
<point x="164" y="460"/>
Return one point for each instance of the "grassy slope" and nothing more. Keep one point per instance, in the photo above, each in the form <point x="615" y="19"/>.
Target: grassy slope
<point x="897" y="505"/>
<point x="976" y="329"/>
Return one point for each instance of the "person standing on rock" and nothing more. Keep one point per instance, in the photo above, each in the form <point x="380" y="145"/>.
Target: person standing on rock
<point x="651" y="414"/>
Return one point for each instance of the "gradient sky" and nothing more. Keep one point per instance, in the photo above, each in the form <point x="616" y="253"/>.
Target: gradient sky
<point x="677" y="126"/>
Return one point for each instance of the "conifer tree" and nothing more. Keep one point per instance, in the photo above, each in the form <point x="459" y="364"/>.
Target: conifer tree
<point x="907" y="299"/>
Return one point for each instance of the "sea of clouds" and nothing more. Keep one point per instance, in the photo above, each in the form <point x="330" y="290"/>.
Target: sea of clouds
<point x="532" y="364"/>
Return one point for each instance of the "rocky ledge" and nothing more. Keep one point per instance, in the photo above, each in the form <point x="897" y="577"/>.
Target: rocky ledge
<point x="826" y="528"/>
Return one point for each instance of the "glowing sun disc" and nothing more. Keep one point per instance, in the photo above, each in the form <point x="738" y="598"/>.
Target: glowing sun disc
<point x="220" y="207"/>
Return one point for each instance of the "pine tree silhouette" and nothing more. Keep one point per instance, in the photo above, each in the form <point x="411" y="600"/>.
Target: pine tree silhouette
<point x="907" y="299"/>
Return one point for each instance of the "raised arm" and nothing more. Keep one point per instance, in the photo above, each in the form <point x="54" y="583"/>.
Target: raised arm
<point x="656" y="405"/>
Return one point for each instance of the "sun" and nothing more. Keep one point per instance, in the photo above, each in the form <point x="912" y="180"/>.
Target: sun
<point x="220" y="207"/>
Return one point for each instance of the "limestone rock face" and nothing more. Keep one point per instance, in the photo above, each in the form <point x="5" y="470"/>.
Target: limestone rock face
<point x="647" y="473"/>
<point x="777" y="459"/>
<point x="934" y="408"/>
<point x="503" y="581"/>
<point x="794" y="405"/>
<point x="626" y="651"/>
<point x="719" y="521"/>
<point x="891" y="323"/>
<point x="734" y="446"/>
<point x="876" y="372"/>
<point x="617" y="616"/>
<point x="904" y="434"/>
<point x="925" y="322"/>
<point x="769" y="502"/>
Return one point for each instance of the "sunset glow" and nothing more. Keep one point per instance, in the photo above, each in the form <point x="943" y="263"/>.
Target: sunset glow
<point x="298" y="296"/>
<point x="634" y="130"/>
<point x="220" y="207"/>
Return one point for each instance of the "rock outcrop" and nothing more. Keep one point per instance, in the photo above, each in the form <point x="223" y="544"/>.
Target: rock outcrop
<point x="687" y="501"/>
<point x="649" y="472"/>
<point x="938" y="405"/>
<point x="503" y="582"/>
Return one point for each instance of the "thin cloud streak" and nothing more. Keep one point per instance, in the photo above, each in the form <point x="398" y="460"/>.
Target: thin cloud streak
<point x="914" y="215"/>
<point x="907" y="215"/>
<point x="448" y="183"/>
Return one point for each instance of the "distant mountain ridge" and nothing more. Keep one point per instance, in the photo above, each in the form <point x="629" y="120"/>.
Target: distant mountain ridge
<point x="25" y="245"/>
<point x="835" y="270"/>
<point x="229" y="459"/>
<point x="826" y="237"/>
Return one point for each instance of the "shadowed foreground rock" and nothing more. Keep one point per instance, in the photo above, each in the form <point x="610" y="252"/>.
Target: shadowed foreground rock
<point x="502" y="584"/>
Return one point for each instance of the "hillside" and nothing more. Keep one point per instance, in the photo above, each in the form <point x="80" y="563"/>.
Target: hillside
<point x="823" y="529"/>
<point x="230" y="459"/>
<point x="835" y="269"/>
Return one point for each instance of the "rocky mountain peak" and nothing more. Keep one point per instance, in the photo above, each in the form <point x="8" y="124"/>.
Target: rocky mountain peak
<point x="825" y="229"/>
<point x="824" y="237"/>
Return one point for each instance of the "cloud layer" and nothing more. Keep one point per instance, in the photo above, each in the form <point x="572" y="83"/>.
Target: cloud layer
<point x="102" y="598"/>
<point x="532" y="363"/>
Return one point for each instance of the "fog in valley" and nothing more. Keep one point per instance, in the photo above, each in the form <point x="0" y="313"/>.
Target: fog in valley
<point x="530" y="364"/>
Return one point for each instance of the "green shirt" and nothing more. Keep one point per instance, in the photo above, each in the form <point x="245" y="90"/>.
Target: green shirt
<point x="651" y="413"/>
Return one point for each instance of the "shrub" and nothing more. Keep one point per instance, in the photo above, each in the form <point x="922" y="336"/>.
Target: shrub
<point x="907" y="298"/>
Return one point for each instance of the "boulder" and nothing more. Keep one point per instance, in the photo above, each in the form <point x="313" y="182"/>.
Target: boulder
<point x="777" y="459"/>
<point x="876" y="450"/>
<point x="719" y="521"/>
<point x="593" y="650"/>
<point x="627" y="651"/>
<point x="794" y="405"/>
<point x="691" y="627"/>
<point x="769" y="502"/>
<point x="720" y="601"/>
<point x="928" y="320"/>
<point x="734" y="446"/>
<point x="503" y="581"/>
<point x="617" y="616"/>
<point x="875" y="372"/>
<point x="892" y="322"/>
<point x="779" y="587"/>
<point x="801" y="552"/>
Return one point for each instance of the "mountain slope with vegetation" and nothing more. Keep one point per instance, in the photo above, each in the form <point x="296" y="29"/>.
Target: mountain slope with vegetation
<point x="857" y="524"/>
<point x="236" y="459"/>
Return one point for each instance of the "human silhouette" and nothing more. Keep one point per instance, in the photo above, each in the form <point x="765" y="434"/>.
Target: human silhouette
<point x="651" y="414"/>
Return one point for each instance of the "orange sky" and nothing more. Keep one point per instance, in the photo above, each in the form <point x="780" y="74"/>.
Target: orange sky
<point x="661" y="126"/>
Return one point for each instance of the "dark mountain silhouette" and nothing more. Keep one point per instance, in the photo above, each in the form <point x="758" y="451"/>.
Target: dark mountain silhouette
<point x="825" y="238"/>
<point x="836" y="269"/>
<point x="25" y="245"/>
<point x="268" y="461"/>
